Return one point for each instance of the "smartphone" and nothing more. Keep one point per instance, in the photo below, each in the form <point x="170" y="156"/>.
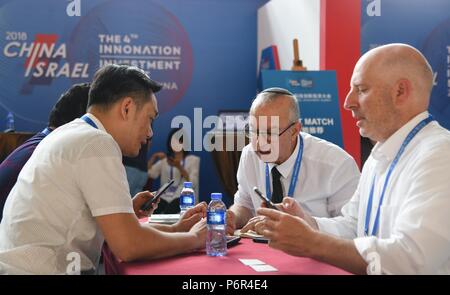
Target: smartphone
<point x="261" y="240"/>
<point x="269" y="203"/>
<point x="232" y="241"/>
<point x="149" y="203"/>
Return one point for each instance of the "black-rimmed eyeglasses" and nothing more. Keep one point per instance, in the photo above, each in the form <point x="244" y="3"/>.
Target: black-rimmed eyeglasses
<point x="253" y="134"/>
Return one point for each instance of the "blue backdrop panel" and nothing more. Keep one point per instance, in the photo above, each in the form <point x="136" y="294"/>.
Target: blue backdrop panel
<point x="422" y="24"/>
<point x="316" y="92"/>
<point x="204" y="59"/>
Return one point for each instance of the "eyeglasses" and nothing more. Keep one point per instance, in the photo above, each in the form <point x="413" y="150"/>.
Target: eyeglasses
<point x="253" y="134"/>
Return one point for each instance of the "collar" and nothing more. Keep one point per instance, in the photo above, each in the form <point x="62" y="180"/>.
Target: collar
<point x="96" y="121"/>
<point x="388" y="149"/>
<point x="286" y="167"/>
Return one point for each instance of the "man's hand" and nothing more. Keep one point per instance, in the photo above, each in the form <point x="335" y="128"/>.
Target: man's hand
<point x="292" y="207"/>
<point x="139" y="200"/>
<point x="190" y="218"/>
<point x="288" y="233"/>
<point x="253" y="224"/>
<point x="289" y="206"/>
<point x="231" y="222"/>
<point x="199" y="230"/>
<point x="293" y="235"/>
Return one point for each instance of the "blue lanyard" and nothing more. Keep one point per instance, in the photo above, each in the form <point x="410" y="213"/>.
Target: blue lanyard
<point x="88" y="120"/>
<point x="46" y="131"/>
<point x="298" y="164"/>
<point x="407" y="140"/>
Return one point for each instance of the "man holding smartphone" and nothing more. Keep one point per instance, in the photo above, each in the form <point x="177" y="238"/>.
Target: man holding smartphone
<point x="283" y="161"/>
<point x="73" y="193"/>
<point x="397" y="222"/>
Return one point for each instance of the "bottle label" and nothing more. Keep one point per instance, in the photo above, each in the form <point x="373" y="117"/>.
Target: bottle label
<point x="216" y="218"/>
<point x="187" y="200"/>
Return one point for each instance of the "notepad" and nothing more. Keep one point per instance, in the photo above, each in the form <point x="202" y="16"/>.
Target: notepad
<point x="164" y="218"/>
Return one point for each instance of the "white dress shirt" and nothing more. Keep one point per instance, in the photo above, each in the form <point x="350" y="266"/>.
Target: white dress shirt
<point x="74" y="175"/>
<point x="414" y="227"/>
<point x="163" y="170"/>
<point x="328" y="177"/>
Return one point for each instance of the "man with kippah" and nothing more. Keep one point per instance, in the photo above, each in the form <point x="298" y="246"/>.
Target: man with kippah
<point x="283" y="161"/>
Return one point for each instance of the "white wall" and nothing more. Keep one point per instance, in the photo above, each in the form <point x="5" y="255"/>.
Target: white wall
<point x="280" y="21"/>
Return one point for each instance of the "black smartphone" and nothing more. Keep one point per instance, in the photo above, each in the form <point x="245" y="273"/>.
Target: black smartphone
<point x="261" y="240"/>
<point x="269" y="203"/>
<point x="232" y="241"/>
<point x="149" y="203"/>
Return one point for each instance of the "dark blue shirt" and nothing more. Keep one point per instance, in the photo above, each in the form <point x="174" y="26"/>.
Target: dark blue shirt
<point x="13" y="164"/>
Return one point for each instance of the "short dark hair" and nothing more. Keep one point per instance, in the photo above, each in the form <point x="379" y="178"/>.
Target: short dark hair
<point x="113" y="82"/>
<point x="71" y="105"/>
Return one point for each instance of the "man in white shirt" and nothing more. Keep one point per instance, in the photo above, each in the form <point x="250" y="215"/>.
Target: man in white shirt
<point x="397" y="222"/>
<point x="282" y="161"/>
<point x="73" y="193"/>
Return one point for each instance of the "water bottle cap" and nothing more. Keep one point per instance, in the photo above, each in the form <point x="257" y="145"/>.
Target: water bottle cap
<point x="187" y="184"/>
<point x="216" y="196"/>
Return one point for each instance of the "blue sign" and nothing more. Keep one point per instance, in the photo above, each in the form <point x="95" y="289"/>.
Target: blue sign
<point x="44" y="53"/>
<point x="316" y="92"/>
<point x="422" y="24"/>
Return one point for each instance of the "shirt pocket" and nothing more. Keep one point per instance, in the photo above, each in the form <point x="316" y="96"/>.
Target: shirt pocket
<point x="388" y="216"/>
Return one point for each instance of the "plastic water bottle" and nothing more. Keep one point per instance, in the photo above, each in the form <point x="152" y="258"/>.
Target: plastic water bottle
<point x="216" y="239"/>
<point x="9" y="122"/>
<point x="187" y="197"/>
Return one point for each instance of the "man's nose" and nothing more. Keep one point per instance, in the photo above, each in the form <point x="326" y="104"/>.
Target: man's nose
<point x="350" y="101"/>
<point x="262" y="141"/>
<point x="150" y="132"/>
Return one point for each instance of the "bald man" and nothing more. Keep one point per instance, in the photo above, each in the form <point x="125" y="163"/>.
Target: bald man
<point x="397" y="222"/>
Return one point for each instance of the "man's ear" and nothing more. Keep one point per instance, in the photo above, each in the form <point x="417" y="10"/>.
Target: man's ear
<point x="297" y="128"/>
<point x="125" y="107"/>
<point x="402" y="91"/>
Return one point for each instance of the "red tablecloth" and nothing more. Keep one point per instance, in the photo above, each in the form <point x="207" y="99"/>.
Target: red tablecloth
<point x="199" y="263"/>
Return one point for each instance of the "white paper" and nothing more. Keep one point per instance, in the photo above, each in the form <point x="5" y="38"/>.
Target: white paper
<point x="263" y="268"/>
<point x="251" y="262"/>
